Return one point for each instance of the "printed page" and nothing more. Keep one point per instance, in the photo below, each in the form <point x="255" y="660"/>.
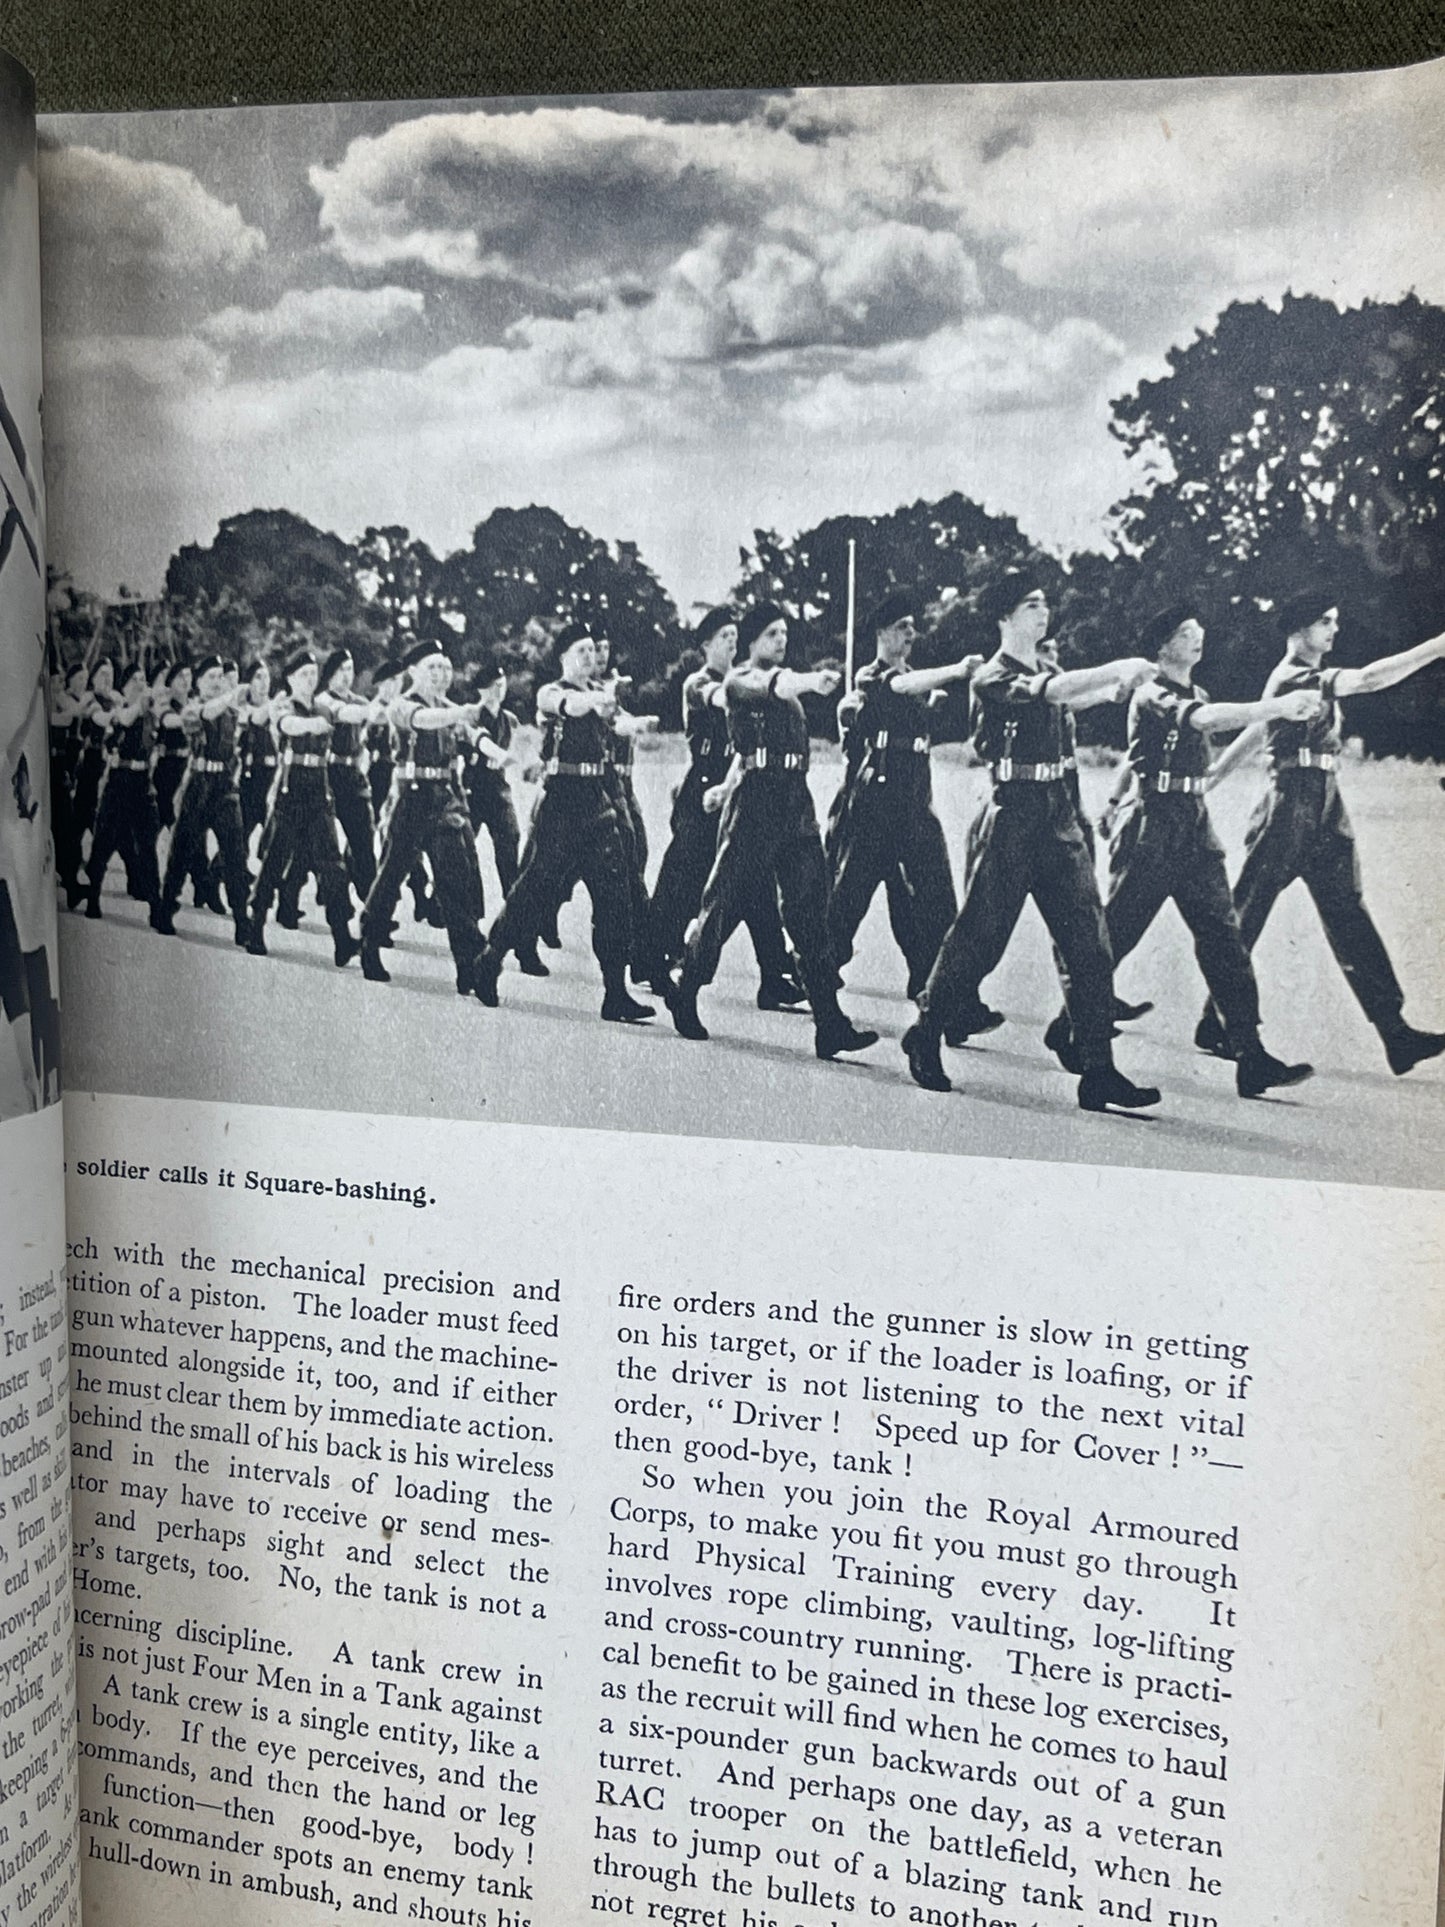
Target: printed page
<point x="689" y="1296"/>
<point x="39" y="1879"/>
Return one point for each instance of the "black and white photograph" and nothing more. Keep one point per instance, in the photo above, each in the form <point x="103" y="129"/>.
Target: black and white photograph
<point x="906" y="618"/>
<point x="29" y="980"/>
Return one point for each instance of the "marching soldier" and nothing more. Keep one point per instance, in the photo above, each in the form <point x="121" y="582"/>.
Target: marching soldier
<point x="95" y="707"/>
<point x="486" y="758"/>
<point x="350" y="793"/>
<point x="1164" y="846"/>
<point x="66" y="721"/>
<point x="688" y="859"/>
<point x="258" y="749"/>
<point x="626" y="728"/>
<point x="577" y="835"/>
<point x="428" y="819"/>
<point x="125" y="818"/>
<point x="769" y="837"/>
<point x="173" y="744"/>
<point x="1302" y="829"/>
<point x="380" y="762"/>
<point x="882" y="828"/>
<point x="209" y="804"/>
<point x="1031" y="842"/>
<point x="301" y="827"/>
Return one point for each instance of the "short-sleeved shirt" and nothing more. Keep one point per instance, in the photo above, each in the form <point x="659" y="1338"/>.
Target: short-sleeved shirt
<point x="764" y="724"/>
<point x="172" y="735"/>
<point x="345" y="744"/>
<point x="497" y="729"/>
<point x="886" y="738"/>
<point x="1013" y="722"/>
<point x="1162" y="738"/>
<point x="1323" y="735"/>
<point x="706" y="728"/>
<point x="131" y="742"/>
<point x="572" y="743"/>
<point x="428" y="749"/>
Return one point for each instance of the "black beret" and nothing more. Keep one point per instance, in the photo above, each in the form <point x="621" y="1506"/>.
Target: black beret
<point x="1303" y="610"/>
<point x="298" y="659"/>
<point x="336" y="660"/>
<point x="1004" y="594"/>
<point x="752" y="622"/>
<point x="1161" y="626"/>
<point x="893" y="608"/>
<point x="207" y="662"/>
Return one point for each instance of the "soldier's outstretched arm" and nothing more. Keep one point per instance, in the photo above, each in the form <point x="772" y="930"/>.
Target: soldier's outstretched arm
<point x="1389" y="670"/>
<point x="1299" y="706"/>
<point x="1108" y="682"/>
<point x="918" y="682"/>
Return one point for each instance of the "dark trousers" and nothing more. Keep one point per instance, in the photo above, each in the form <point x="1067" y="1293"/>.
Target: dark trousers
<point x="1165" y="848"/>
<point x="489" y="805"/>
<point x="677" y="895"/>
<point x="66" y="828"/>
<point x="768" y="842"/>
<point x="429" y="820"/>
<point x="166" y="779"/>
<point x="875" y="839"/>
<point x="351" y="806"/>
<point x="300" y="834"/>
<point x="125" y="821"/>
<point x="634" y="849"/>
<point x="1030" y="843"/>
<point x="1301" y="830"/>
<point x="209" y="804"/>
<point x="576" y="837"/>
<point x="256" y="797"/>
<point x="378" y="781"/>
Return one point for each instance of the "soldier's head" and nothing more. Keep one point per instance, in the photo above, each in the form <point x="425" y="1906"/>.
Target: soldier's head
<point x="132" y="680"/>
<point x="717" y="637"/>
<point x="1016" y="608"/>
<point x="575" y="653"/>
<point x="894" y="629"/>
<point x="1174" y="638"/>
<point x="430" y="668"/>
<point x="230" y="672"/>
<point x="300" y="671"/>
<point x="601" y="654"/>
<point x="386" y="679"/>
<point x="76" y="677"/>
<point x="210" y="678"/>
<point x="179" y="679"/>
<point x="763" y="635"/>
<point x="102" y="679"/>
<point x="258" y="681"/>
<point x="491" y="684"/>
<point x="338" y="673"/>
<point x="1309" y="624"/>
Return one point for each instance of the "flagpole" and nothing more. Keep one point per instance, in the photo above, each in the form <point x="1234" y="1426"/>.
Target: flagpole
<point x="852" y="586"/>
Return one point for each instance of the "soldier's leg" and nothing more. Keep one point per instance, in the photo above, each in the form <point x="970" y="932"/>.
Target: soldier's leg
<point x="606" y="859"/>
<point x="1066" y="890"/>
<point x="399" y="855"/>
<point x="141" y="833"/>
<point x="765" y="927"/>
<point x="106" y="840"/>
<point x="742" y="867"/>
<point x="993" y="901"/>
<point x="278" y="852"/>
<point x="1332" y="877"/>
<point x="452" y="850"/>
<point x="1201" y="889"/>
<point x="802" y="874"/>
<point x="863" y="853"/>
<point x="225" y="825"/>
<point x="680" y="879"/>
<point x="548" y="874"/>
<point x="353" y="813"/>
<point x="499" y="815"/>
<point x="187" y="854"/>
<point x="927" y="880"/>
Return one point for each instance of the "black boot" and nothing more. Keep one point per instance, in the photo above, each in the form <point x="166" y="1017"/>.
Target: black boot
<point x="372" y="968"/>
<point x="256" y="940"/>
<point x="344" y="946"/>
<point x="1105" y="1088"/>
<point x="682" y="1008"/>
<point x="547" y="931"/>
<point x="1209" y="1034"/>
<point x="1059" y="1038"/>
<point x="1407" y="1047"/>
<point x="975" y="1021"/>
<point x="1127" y="1013"/>
<point x="1256" y="1072"/>
<point x="92" y="905"/>
<point x="529" y="963"/>
<point x="486" y="974"/>
<point x="163" y="920"/>
<point x="620" y="1008"/>
<point x="834" y="1034"/>
<point x="925" y="1066"/>
<point x="781" y="993"/>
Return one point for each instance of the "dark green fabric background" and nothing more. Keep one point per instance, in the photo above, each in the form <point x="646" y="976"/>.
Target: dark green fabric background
<point x="127" y="53"/>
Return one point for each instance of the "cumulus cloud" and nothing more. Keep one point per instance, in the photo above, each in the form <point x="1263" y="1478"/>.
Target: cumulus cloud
<point x="330" y="317"/>
<point x="170" y="362"/>
<point x="114" y="212"/>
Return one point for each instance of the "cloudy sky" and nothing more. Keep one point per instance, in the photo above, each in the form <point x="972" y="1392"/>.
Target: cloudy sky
<point x="675" y="318"/>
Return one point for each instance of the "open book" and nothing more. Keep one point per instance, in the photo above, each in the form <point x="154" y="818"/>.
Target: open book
<point x="671" y="1288"/>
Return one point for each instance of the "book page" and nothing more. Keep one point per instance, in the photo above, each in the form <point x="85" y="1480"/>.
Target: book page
<point x="39" y="1879"/>
<point x="689" y="1296"/>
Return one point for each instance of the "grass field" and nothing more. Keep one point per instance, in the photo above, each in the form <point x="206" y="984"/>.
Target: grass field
<point x="197" y="1018"/>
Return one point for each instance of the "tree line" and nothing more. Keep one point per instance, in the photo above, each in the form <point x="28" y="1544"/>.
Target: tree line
<point x="1283" y="447"/>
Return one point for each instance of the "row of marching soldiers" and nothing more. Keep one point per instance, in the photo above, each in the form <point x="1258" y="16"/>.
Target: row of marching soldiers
<point x="314" y="763"/>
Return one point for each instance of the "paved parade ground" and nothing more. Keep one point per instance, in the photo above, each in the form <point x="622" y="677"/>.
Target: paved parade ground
<point x="197" y="1018"/>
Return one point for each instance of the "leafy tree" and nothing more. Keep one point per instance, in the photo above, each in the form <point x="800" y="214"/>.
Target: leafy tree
<point x="1284" y="447"/>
